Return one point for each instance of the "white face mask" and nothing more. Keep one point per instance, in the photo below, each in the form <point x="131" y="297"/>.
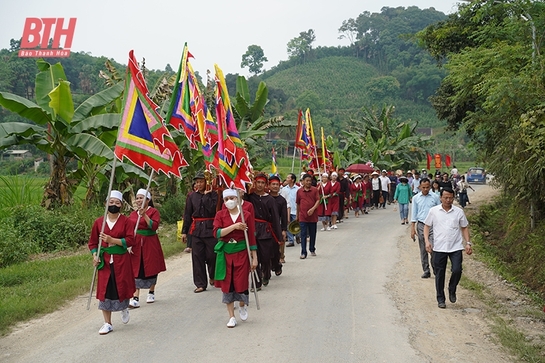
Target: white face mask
<point x="231" y="204"/>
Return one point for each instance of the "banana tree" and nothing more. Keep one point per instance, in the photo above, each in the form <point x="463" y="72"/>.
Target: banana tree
<point x="251" y="123"/>
<point x="63" y="131"/>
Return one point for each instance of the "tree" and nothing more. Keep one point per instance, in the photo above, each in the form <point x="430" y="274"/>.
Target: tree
<point x="60" y="130"/>
<point x="254" y="59"/>
<point x="301" y="46"/>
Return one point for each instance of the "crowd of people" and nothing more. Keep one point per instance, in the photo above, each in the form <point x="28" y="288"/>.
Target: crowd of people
<point x="234" y="234"/>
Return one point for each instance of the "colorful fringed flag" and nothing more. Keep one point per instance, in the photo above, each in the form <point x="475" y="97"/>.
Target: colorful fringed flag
<point x="301" y="136"/>
<point x="312" y="150"/>
<point x="324" y="151"/>
<point x="179" y="113"/>
<point x="234" y="163"/>
<point x="142" y="138"/>
<point x="274" y="169"/>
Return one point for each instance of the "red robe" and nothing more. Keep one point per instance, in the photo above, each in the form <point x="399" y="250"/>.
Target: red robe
<point x="238" y="264"/>
<point x="334" y="202"/>
<point x="149" y="246"/>
<point x="324" y="190"/>
<point x="124" y="277"/>
<point x="367" y="191"/>
<point x="357" y="195"/>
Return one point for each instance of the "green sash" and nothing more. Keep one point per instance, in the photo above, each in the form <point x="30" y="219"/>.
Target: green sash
<point x="112" y="250"/>
<point x="146" y="232"/>
<point x="221" y="249"/>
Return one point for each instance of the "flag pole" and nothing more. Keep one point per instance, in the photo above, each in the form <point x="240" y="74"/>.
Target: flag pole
<point x="145" y="196"/>
<point x="293" y="159"/>
<point x="248" y="249"/>
<point x="112" y="176"/>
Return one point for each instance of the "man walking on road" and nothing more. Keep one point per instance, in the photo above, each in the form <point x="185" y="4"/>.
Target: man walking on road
<point x="422" y="202"/>
<point x="307" y="201"/>
<point x="450" y="228"/>
<point x="289" y="192"/>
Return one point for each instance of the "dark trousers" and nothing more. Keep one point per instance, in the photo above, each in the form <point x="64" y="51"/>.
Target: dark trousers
<point x="463" y="199"/>
<point x="375" y="198"/>
<point x="308" y="229"/>
<point x="203" y="256"/>
<point x="392" y="192"/>
<point x="439" y="261"/>
<point x="385" y="198"/>
<point x="268" y="257"/>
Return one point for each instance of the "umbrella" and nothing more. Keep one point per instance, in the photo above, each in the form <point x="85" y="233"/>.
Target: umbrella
<point x="360" y="168"/>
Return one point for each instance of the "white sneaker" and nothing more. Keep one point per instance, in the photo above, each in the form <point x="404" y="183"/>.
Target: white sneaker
<point x="106" y="328"/>
<point x="328" y="229"/>
<point x="133" y="304"/>
<point x="151" y="298"/>
<point x="232" y="323"/>
<point x="334" y="226"/>
<point x="323" y="229"/>
<point x="243" y="312"/>
<point x="125" y="317"/>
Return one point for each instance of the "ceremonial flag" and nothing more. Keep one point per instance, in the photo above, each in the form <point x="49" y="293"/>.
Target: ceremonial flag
<point x="273" y="168"/>
<point x="324" y="150"/>
<point x="142" y="138"/>
<point x="301" y="136"/>
<point x="428" y="165"/>
<point x="234" y="163"/>
<point x="312" y="152"/>
<point x="447" y="160"/>
<point x="179" y="113"/>
<point x="438" y="163"/>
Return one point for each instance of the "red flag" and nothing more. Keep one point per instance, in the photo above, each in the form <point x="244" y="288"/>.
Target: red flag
<point x="429" y="161"/>
<point x="447" y="160"/>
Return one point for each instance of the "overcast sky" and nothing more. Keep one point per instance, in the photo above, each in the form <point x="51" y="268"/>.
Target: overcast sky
<point x="217" y="31"/>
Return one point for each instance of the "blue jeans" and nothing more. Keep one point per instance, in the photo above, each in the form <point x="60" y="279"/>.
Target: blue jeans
<point x="463" y="199"/>
<point x="308" y="229"/>
<point x="403" y="211"/>
<point x="291" y="237"/>
<point x="439" y="262"/>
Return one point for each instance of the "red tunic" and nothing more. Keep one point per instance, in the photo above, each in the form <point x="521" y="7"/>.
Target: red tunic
<point x="357" y="195"/>
<point x="238" y="264"/>
<point x="324" y="190"/>
<point x="149" y="246"/>
<point x="334" y="202"/>
<point x="367" y="191"/>
<point x="124" y="278"/>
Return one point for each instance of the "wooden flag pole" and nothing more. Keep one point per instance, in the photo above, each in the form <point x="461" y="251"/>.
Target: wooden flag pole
<point x="254" y="281"/>
<point x="102" y="231"/>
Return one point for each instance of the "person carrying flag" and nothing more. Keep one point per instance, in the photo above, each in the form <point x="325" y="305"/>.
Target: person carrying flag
<point x="200" y="210"/>
<point x="267" y="228"/>
<point x="282" y="207"/>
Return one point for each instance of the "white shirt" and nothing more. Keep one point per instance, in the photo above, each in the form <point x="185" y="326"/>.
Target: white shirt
<point x="290" y="194"/>
<point x="385" y="182"/>
<point x="415" y="184"/>
<point x="447" y="228"/>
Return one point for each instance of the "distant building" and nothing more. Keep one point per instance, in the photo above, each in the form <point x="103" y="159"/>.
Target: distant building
<point x="16" y="155"/>
<point x="426" y="131"/>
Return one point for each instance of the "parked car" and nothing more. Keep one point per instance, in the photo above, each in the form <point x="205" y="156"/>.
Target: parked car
<point x="476" y="175"/>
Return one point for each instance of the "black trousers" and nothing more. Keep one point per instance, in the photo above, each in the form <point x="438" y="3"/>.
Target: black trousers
<point x="439" y="261"/>
<point x="203" y="258"/>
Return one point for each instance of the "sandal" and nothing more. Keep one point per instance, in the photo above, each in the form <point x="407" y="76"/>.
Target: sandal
<point x="199" y="289"/>
<point x="278" y="271"/>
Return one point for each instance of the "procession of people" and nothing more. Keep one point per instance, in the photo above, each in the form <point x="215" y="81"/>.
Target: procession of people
<point x="239" y="236"/>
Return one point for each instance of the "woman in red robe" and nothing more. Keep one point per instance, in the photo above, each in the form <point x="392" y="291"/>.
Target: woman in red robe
<point x="147" y="255"/>
<point x="334" y="199"/>
<point x="115" y="283"/>
<point x="232" y="262"/>
<point x="324" y="211"/>
<point x="356" y="189"/>
<point x="367" y="192"/>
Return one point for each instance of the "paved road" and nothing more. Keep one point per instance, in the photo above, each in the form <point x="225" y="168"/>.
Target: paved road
<point x="329" y="308"/>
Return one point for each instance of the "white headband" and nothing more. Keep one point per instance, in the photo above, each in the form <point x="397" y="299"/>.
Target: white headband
<point x="116" y="194"/>
<point x="230" y="193"/>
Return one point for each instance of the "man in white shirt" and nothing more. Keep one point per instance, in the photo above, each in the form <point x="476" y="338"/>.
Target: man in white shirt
<point x="289" y="192"/>
<point x="385" y="188"/>
<point x="450" y="229"/>
<point x="415" y="183"/>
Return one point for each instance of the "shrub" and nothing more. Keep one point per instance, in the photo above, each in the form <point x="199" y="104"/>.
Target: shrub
<point x="172" y="209"/>
<point x="13" y="249"/>
<point x="52" y="230"/>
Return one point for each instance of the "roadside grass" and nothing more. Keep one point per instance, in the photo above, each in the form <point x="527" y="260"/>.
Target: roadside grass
<point x="48" y="281"/>
<point x="490" y="232"/>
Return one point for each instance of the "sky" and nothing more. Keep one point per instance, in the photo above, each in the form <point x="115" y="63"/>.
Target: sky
<point x="216" y="31"/>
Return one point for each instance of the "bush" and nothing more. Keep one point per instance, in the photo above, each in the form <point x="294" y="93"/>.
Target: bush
<point x="13" y="249"/>
<point x="66" y="228"/>
<point x="172" y="209"/>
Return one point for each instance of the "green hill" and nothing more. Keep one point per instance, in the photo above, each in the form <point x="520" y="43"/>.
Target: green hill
<point x="338" y="81"/>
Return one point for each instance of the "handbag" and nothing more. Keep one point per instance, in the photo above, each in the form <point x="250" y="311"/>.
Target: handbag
<point x="381" y="199"/>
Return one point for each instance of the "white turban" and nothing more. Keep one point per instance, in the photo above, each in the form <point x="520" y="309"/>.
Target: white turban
<point x="116" y="194"/>
<point x="230" y="193"/>
<point x="334" y="173"/>
<point x="325" y="174"/>
<point x="144" y="192"/>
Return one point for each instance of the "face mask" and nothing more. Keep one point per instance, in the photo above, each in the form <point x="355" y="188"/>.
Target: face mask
<point x="231" y="204"/>
<point x="114" y="209"/>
